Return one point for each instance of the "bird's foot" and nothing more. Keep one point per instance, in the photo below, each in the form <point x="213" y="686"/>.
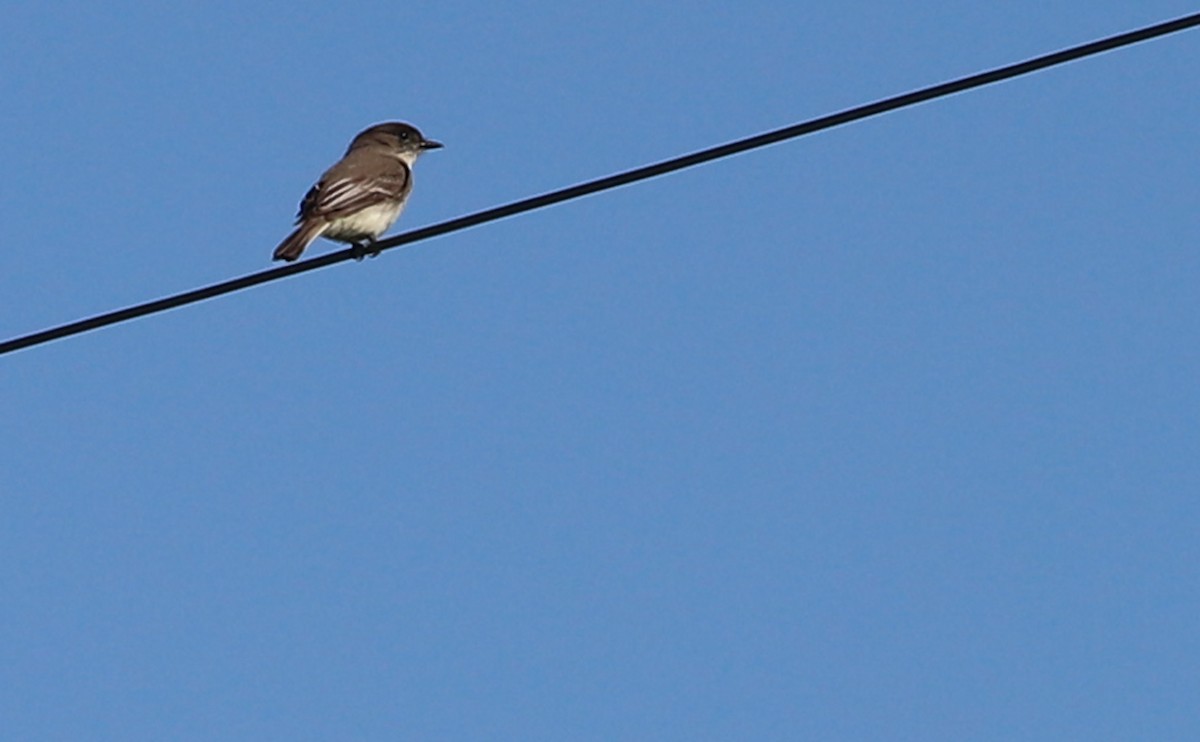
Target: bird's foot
<point x="362" y="250"/>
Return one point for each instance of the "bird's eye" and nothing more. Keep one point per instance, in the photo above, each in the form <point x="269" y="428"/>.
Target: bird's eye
<point x="404" y="135"/>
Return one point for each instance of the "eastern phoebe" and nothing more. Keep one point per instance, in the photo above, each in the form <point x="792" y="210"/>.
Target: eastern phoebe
<point x="361" y="196"/>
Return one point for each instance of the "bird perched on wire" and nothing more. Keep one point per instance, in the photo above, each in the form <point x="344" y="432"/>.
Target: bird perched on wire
<point x="362" y="195"/>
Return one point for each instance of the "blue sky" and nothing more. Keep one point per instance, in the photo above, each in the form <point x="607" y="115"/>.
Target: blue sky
<point x="889" y="432"/>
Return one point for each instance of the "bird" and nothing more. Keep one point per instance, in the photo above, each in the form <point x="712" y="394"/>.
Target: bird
<point x="361" y="195"/>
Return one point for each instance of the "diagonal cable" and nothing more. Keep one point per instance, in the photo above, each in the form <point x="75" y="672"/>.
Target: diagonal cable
<point x="868" y="110"/>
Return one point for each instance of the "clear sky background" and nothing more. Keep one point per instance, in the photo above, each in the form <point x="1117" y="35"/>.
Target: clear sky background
<point x="890" y="432"/>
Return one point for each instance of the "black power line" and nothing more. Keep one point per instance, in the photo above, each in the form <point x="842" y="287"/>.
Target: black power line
<point x="613" y="181"/>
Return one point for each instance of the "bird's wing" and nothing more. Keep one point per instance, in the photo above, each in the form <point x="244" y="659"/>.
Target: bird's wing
<point x="334" y="197"/>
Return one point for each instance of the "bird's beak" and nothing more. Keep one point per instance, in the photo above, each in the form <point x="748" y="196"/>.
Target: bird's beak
<point x="430" y="144"/>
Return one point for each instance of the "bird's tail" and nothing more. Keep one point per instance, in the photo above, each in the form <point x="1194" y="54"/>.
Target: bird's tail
<point x="293" y="245"/>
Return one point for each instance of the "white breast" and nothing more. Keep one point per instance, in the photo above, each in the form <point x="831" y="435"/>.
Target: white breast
<point x="370" y="222"/>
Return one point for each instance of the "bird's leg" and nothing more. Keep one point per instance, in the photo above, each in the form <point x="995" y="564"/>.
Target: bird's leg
<point x="363" y="249"/>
